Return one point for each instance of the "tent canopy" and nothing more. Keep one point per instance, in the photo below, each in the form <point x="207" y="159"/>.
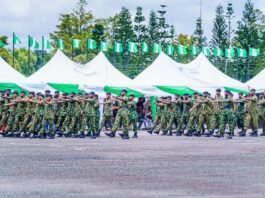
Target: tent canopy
<point x="100" y="72"/>
<point x="9" y="74"/>
<point x="257" y="81"/>
<point x="60" y="69"/>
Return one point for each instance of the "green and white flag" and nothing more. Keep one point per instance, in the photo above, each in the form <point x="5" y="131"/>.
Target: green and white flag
<point x="254" y="52"/>
<point x="182" y="49"/>
<point x="33" y="43"/>
<point x="217" y="52"/>
<point x="118" y="47"/>
<point x="132" y="47"/>
<point x="157" y="48"/>
<point x="76" y="43"/>
<point x="144" y="47"/>
<point x="16" y="40"/>
<point x="170" y="50"/>
<point x="206" y="51"/>
<point x="2" y="43"/>
<point x="91" y="44"/>
<point x="229" y="53"/>
<point x="104" y="46"/>
<point x="194" y="50"/>
<point x="60" y="44"/>
<point x="242" y="53"/>
<point x="46" y="44"/>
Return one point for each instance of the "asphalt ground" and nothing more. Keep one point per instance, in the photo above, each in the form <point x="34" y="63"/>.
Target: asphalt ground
<point x="150" y="166"/>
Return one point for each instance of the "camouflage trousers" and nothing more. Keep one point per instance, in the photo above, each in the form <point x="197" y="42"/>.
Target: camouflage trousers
<point x="193" y="121"/>
<point x="106" y="122"/>
<point x="133" y="121"/>
<point x="157" y="120"/>
<point x="215" y="120"/>
<point x="183" y="121"/>
<point x="35" y="124"/>
<point x="66" y="122"/>
<point x="227" y="117"/>
<point x="239" y="115"/>
<point x="14" y="122"/>
<point x="50" y="120"/>
<point x="173" y="119"/>
<point x="4" y="119"/>
<point x="90" y="123"/>
<point x="204" y="117"/>
<point x="10" y="123"/>
<point x="121" y="119"/>
<point x="97" y="121"/>
<point x="163" y="122"/>
<point x="251" y="118"/>
<point x="60" y="122"/>
<point x="75" y="123"/>
<point x="27" y="120"/>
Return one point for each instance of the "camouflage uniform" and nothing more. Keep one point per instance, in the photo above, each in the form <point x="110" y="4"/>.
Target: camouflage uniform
<point x="48" y="117"/>
<point x="4" y="111"/>
<point x="261" y="109"/>
<point x="226" y="116"/>
<point x="251" y="114"/>
<point x="62" y="114"/>
<point x="185" y="115"/>
<point x="175" y="115"/>
<point x="89" y="120"/>
<point x="37" y="118"/>
<point x="122" y="117"/>
<point x="107" y="114"/>
<point x="239" y="114"/>
<point x="76" y="116"/>
<point x="11" y="119"/>
<point x="164" y="117"/>
<point x="158" y="116"/>
<point x="69" y="115"/>
<point x="194" y="115"/>
<point x="205" y="114"/>
<point x="30" y="108"/>
<point x="132" y="115"/>
<point x="215" y="117"/>
<point x="97" y="118"/>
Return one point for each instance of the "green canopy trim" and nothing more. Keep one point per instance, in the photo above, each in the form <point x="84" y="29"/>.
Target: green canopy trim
<point x="236" y="90"/>
<point x="65" y="88"/>
<point x="153" y="106"/>
<point x="117" y="91"/>
<point x="12" y="86"/>
<point x="181" y="90"/>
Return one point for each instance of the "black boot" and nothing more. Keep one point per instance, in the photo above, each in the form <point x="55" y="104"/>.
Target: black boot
<point x="23" y="135"/>
<point x="59" y="133"/>
<point x="254" y="134"/>
<point x="209" y="134"/>
<point x="10" y="134"/>
<point x="197" y="134"/>
<point x="179" y="133"/>
<point x="263" y="133"/>
<point x="242" y="133"/>
<point x="110" y="135"/>
<point x="189" y="133"/>
<point x="169" y="133"/>
<point x="125" y="136"/>
<point x="135" y="135"/>
<point x="50" y="136"/>
<point x="156" y="132"/>
<point x="42" y="136"/>
<point x="164" y="132"/>
<point x="92" y="136"/>
<point x="218" y="135"/>
<point x="150" y="131"/>
<point x="98" y="133"/>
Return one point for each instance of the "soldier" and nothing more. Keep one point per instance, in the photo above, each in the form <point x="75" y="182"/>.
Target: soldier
<point x="62" y="104"/>
<point x="56" y="106"/>
<point x="89" y="119"/>
<point x="38" y="115"/>
<point x="107" y="112"/>
<point x="69" y="115"/>
<point x="158" y="115"/>
<point x="261" y="108"/>
<point x="122" y="117"/>
<point x="194" y="115"/>
<point x="132" y="114"/>
<point x="48" y="117"/>
<point x="215" y="117"/>
<point x="30" y="108"/>
<point x="9" y="130"/>
<point x="251" y="117"/>
<point x="185" y="115"/>
<point x="97" y="111"/>
<point x="226" y="116"/>
<point x="4" y="99"/>
<point x="239" y="114"/>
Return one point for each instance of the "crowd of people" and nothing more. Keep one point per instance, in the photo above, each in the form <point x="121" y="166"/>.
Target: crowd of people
<point x="77" y="115"/>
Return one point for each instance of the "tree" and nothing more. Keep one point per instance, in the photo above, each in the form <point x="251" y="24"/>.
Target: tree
<point x="199" y="39"/>
<point x="98" y="33"/>
<point x="247" y="34"/>
<point x="153" y="27"/>
<point x="219" y="37"/>
<point x="139" y="27"/>
<point x="229" y="16"/>
<point x="162" y="25"/>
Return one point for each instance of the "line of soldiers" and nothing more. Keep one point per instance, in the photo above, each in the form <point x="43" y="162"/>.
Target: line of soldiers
<point x="69" y="115"/>
<point x="192" y="116"/>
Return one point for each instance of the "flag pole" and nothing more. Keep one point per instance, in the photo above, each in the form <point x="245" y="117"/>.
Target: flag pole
<point x="72" y="51"/>
<point x="13" y="50"/>
<point x="42" y="51"/>
<point x="87" y="50"/>
<point x="28" y="51"/>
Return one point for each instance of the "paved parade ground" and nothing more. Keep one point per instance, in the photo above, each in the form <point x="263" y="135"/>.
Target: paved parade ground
<point x="151" y="166"/>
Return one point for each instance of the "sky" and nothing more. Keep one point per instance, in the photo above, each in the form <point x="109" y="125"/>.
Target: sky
<point x="40" y="17"/>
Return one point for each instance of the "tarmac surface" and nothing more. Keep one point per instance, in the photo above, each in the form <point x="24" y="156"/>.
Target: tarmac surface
<point x="150" y="166"/>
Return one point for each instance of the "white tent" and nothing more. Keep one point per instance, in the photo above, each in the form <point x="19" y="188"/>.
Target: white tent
<point x="100" y="72"/>
<point x="8" y="74"/>
<point x="202" y="68"/>
<point x="257" y="81"/>
<point x="60" y="69"/>
<point x="164" y="71"/>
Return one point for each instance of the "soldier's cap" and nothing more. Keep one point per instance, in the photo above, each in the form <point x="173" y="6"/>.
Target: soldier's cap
<point x="80" y="93"/>
<point x="49" y="95"/>
<point x="252" y="89"/>
<point x="132" y="95"/>
<point x="41" y="95"/>
<point x="200" y="95"/>
<point x="65" y="94"/>
<point x="92" y="92"/>
<point x="169" y="97"/>
<point x="57" y="92"/>
<point x="186" y="94"/>
<point x="32" y="92"/>
<point x="240" y="93"/>
<point x="23" y="92"/>
<point x="205" y="92"/>
<point x="73" y="93"/>
<point x="108" y="93"/>
<point x="15" y="92"/>
<point x="195" y="93"/>
<point x="177" y="95"/>
<point x="227" y="91"/>
<point x="8" y="90"/>
<point x="124" y="90"/>
<point x="218" y="90"/>
<point x="47" y="91"/>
